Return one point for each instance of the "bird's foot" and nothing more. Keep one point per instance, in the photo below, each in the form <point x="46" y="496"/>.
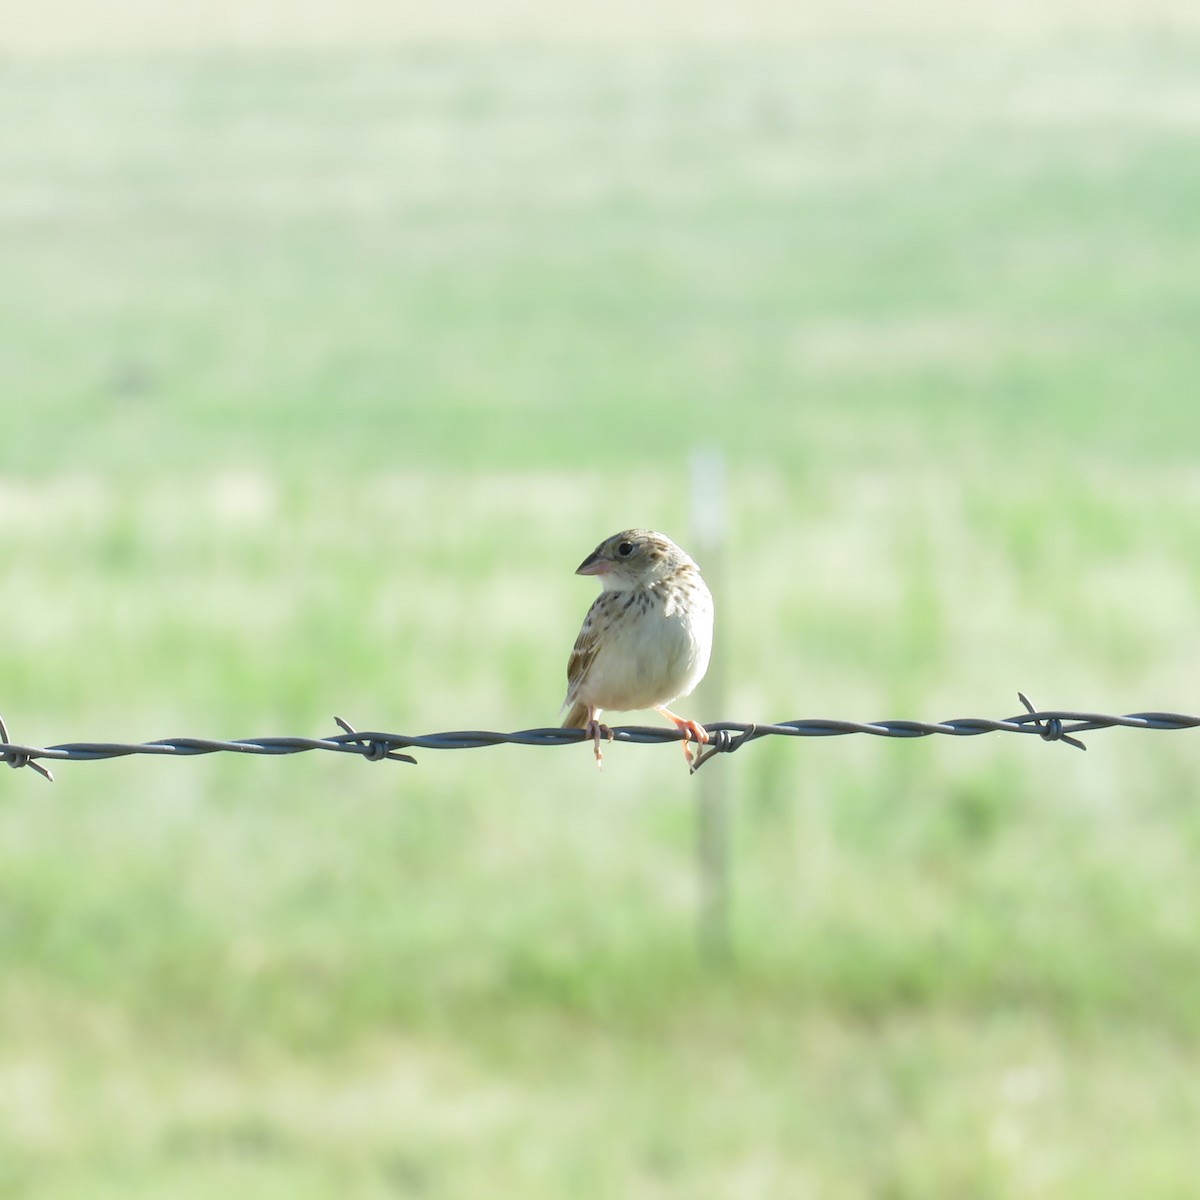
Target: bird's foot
<point x="692" y="730"/>
<point x="596" y="730"/>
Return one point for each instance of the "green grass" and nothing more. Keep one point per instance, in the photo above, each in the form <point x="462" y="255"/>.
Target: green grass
<point x="323" y="370"/>
<point x="373" y="249"/>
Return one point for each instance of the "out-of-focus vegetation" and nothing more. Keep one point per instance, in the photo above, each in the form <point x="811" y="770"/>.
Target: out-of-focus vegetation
<point x="324" y="365"/>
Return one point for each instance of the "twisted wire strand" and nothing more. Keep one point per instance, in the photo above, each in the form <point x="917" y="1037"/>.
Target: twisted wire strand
<point x="1054" y="725"/>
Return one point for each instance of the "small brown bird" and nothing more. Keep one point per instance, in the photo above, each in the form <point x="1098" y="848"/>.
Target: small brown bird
<point x="647" y="638"/>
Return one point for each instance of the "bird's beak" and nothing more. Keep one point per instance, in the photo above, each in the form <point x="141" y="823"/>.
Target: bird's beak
<point x="594" y="565"/>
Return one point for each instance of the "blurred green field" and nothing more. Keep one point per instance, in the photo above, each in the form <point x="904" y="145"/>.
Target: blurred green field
<point x="323" y="368"/>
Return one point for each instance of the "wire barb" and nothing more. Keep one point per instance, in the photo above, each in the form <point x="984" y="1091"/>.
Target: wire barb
<point x="375" y="747"/>
<point x="1049" y="727"/>
<point x="722" y="741"/>
<point x="20" y="757"/>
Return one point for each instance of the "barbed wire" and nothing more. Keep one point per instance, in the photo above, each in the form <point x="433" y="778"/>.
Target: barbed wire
<point x="1058" y="725"/>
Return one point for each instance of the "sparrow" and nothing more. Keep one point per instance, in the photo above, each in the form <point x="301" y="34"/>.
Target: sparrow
<point x="647" y="638"/>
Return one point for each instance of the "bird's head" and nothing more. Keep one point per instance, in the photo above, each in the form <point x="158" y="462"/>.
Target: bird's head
<point x="633" y="558"/>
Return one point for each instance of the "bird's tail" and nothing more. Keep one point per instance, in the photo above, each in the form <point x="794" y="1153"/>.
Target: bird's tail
<point x="577" y="718"/>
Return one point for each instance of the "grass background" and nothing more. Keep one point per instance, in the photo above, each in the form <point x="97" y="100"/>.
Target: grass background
<point x="331" y="346"/>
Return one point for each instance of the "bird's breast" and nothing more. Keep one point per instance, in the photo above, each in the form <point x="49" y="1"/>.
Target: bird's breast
<point x="655" y="649"/>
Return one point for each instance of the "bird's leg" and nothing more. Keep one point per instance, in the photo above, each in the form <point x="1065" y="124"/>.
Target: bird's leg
<point x="692" y="729"/>
<point x="595" y="730"/>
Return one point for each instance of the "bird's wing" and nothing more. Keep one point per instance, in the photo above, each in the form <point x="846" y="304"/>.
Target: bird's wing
<point x="587" y="644"/>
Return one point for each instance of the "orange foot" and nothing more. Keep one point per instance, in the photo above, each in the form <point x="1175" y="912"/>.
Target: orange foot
<point x="595" y="730"/>
<point x="693" y="730"/>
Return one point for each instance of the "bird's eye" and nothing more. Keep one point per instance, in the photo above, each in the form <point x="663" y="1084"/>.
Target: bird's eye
<point x="625" y="549"/>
